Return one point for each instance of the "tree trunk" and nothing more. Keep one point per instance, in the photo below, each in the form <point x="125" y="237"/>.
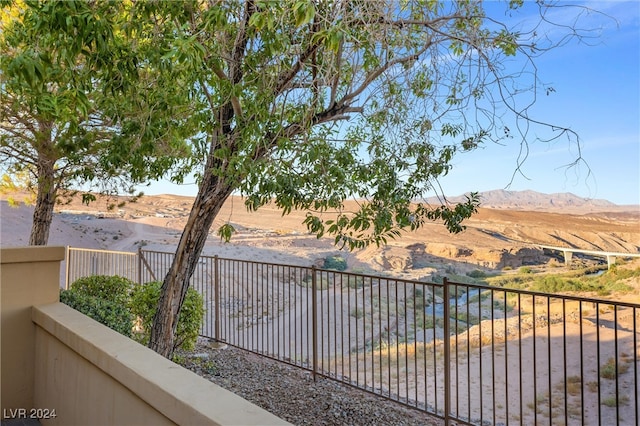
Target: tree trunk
<point x="212" y="194"/>
<point x="45" y="201"/>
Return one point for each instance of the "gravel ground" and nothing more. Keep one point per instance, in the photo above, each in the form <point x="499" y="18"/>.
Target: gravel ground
<point x="291" y="394"/>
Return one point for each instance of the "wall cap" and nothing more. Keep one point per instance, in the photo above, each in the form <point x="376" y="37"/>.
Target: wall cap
<point x="179" y="394"/>
<point x="32" y="254"/>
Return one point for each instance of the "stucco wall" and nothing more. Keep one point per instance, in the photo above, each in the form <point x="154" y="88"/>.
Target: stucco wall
<point x="28" y="276"/>
<point x="93" y="375"/>
<point x="55" y="358"/>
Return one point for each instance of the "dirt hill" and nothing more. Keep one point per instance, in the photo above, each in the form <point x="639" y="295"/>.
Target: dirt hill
<point x="495" y="237"/>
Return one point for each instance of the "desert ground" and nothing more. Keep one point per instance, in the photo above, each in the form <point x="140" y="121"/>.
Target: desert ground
<point x="504" y="236"/>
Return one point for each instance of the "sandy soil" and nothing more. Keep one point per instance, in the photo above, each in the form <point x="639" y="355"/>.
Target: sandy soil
<point x="493" y="236"/>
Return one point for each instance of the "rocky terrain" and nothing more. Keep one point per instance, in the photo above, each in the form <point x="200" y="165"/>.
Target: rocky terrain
<point x="508" y="234"/>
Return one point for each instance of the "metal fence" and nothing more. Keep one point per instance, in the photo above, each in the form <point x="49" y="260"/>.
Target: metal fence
<point x="83" y="262"/>
<point x="468" y="353"/>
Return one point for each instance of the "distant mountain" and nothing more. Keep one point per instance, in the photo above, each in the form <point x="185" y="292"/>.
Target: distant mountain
<point x="532" y="200"/>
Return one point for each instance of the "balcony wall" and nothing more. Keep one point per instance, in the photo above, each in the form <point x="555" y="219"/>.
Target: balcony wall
<point x="55" y="358"/>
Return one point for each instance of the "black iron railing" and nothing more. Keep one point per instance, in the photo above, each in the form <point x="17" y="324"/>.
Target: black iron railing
<point x="468" y="353"/>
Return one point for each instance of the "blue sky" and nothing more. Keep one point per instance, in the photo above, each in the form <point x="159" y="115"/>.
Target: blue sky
<point x="597" y="95"/>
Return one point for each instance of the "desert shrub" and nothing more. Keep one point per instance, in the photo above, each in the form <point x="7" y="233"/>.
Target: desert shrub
<point x="144" y="303"/>
<point x="357" y="312"/>
<point x="476" y="273"/>
<point x="461" y="279"/>
<point x="614" y="275"/>
<point x="437" y="279"/>
<point x="113" y="288"/>
<point x="574" y="385"/>
<point x="554" y="284"/>
<point x="467" y="317"/>
<point x="336" y="263"/>
<point x="611" y="369"/>
<point x="108" y="312"/>
<point x="525" y="270"/>
<point x="613" y="401"/>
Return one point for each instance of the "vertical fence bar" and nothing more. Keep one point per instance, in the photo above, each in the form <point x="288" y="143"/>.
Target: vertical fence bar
<point x="506" y="358"/>
<point x="616" y="362"/>
<point x="139" y="258"/>
<point x="216" y="298"/>
<point x="598" y="363"/>
<point x="468" y="312"/>
<point x="447" y="352"/>
<point x="549" y="383"/>
<point x="635" y="362"/>
<point x="582" y="383"/>
<point x="66" y="267"/>
<point x="521" y="412"/>
<point x="314" y="321"/>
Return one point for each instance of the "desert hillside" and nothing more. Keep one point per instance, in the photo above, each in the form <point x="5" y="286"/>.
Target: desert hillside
<point x="506" y="235"/>
<point x="550" y="203"/>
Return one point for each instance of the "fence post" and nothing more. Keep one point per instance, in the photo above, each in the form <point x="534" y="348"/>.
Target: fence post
<point x="216" y="298"/>
<point x="447" y="352"/>
<point x="94" y="264"/>
<point x="139" y="265"/>
<point x="314" y="321"/>
<point x="66" y="267"/>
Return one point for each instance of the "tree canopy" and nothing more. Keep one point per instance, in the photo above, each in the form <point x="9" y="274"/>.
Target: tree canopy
<point x="303" y="103"/>
<point x="77" y="109"/>
<point x="308" y="104"/>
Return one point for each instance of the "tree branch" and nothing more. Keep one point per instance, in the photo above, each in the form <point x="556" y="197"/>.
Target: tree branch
<point x="371" y="77"/>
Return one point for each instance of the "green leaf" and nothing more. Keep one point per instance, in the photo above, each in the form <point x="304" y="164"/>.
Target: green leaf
<point x="304" y="12"/>
<point x="226" y="231"/>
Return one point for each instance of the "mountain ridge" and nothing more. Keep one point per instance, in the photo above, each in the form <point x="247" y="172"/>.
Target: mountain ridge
<point x="538" y="201"/>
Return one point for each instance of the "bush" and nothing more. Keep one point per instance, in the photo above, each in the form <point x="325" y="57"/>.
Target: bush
<point x="144" y="302"/>
<point x="554" y="284"/>
<point x="336" y="263"/>
<point x="114" y="315"/>
<point x="476" y="273"/>
<point x="112" y="288"/>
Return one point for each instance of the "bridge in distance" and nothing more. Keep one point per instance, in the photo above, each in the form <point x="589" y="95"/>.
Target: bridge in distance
<point x="568" y="252"/>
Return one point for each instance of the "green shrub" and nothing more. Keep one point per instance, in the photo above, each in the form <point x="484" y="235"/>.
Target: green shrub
<point x="114" y="315"/>
<point x="611" y="369"/>
<point x="358" y="313"/>
<point x="336" y="263"/>
<point x="554" y="284"/>
<point x="113" y="288"/>
<point x="476" y="273"/>
<point x="612" y="401"/>
<point x="144" y="302"/>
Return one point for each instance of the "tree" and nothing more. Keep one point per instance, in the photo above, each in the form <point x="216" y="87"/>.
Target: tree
<point x="77" y="108"/>
<point x="311" y="103"/>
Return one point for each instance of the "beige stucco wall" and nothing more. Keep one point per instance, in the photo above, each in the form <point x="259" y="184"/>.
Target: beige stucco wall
<point x="55" y="358"/>
<point x="28" y="276"/>
<point x="94" y="375"/>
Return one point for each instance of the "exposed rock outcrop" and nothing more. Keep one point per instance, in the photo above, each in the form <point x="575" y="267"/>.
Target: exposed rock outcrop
<point x="490" y="258"/>
<point x="393" y="258"/>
